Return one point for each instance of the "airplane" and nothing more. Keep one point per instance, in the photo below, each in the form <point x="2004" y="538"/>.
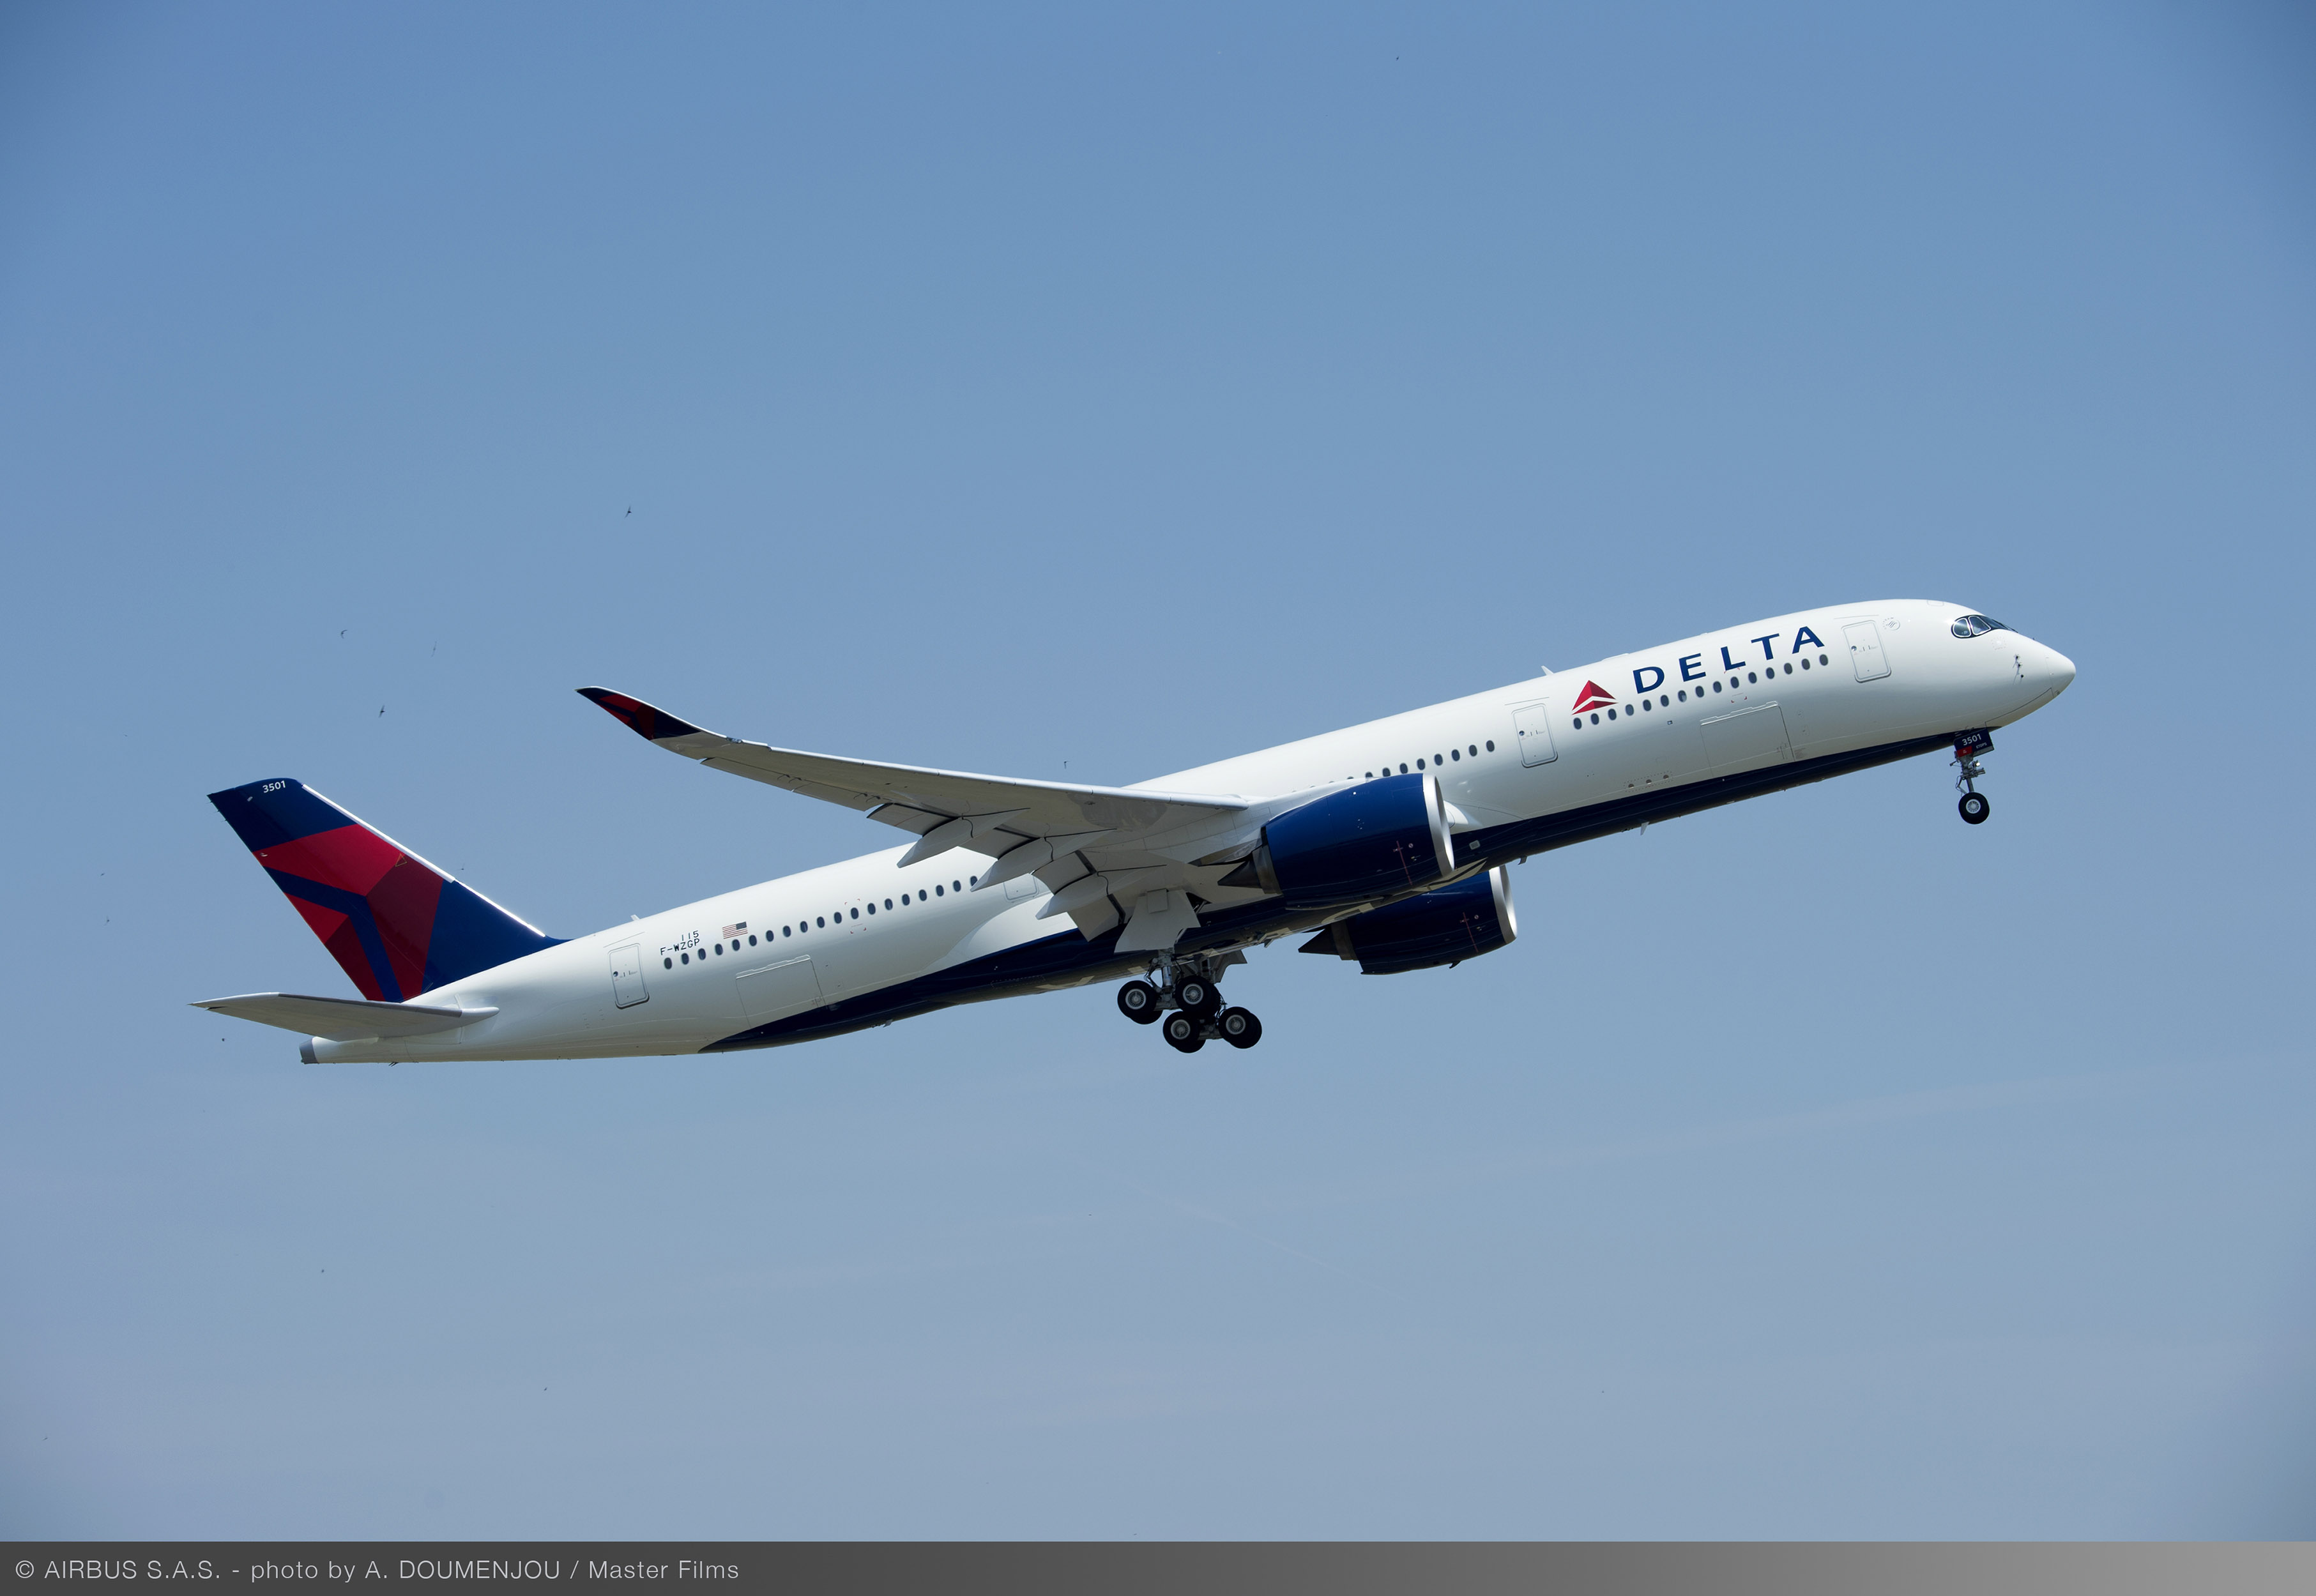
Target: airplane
<point x="1386" y="844"/>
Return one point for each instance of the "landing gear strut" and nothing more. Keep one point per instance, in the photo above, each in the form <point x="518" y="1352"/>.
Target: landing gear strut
<point x="1187" y="1006"/>
<point x="1969" y="773"/>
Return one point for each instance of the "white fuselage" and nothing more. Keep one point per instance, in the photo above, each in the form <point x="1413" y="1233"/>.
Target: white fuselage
<point x="1719" y="705"/>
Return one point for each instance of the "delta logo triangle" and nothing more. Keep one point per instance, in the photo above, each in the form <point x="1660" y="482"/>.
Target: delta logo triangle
<point x="1593" y="696"/>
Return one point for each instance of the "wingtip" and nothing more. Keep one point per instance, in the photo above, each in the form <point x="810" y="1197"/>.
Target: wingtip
<point x="647" y="721"/>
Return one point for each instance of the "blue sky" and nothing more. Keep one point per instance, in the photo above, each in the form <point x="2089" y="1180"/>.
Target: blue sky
<point x="1046" y="390"/>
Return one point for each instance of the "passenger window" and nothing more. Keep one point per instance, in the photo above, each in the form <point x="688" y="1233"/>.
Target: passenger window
<point x="888" y="902"/>
<point x="1418" y="764"/>
<point x="1823" y="660"/>
<point x="1454" y="753"/>
<point x="937" y="890"/>
<point x="872" y="909"/>
<point x="1403" y="770"/>
<point x="1804" y="662"/>
<point x="821" y="920"/>
<point x="1716" y="687"/>
<point x="856" y="914"/>
<point x="667" y="964"/>
<point x="1491" y="745"/>
<point x="1595" y="718"/>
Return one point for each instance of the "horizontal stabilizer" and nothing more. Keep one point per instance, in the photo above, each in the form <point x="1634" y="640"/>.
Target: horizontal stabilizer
<point x="342" y="1019"/>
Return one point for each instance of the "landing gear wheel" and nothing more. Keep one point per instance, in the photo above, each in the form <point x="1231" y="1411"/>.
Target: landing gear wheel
<point x="1974" y="808"/>
<point x="1239" y="1027"/>
<point x="1183" y="1032"/>
<point x="1138" y="1001"/>
<point x="1197" y="995"/>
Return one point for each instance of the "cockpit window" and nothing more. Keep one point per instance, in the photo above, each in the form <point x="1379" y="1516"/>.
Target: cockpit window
<point x="1977" y="625"/>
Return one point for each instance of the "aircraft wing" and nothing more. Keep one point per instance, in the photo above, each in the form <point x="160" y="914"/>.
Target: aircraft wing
<point x="944" y="810"/>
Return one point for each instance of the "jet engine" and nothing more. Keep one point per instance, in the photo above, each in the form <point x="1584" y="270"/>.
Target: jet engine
<point x="1365" y="842"/>
<point x="1445" y="926"/>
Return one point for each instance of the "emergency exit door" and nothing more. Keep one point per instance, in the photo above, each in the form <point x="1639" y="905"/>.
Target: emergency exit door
<point x="628" y="975"/>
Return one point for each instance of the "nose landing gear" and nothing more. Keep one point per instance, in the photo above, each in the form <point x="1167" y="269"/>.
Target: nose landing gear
<point x="1187" y="1008"/>
<point x="1972" y="803"/>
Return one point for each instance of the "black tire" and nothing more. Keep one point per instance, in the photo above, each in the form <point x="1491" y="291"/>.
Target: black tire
<point x="1182" y="1033"/>
<point x="1138" y="1001"/>
<point x="1974" y="808"/>
<point x="1198" y="997"/>
<point x="1239" y="1027"/>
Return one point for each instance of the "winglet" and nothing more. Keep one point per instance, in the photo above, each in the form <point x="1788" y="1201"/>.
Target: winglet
<point x="647" y="721"/>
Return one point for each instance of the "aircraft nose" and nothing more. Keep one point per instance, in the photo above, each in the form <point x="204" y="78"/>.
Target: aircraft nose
<point x="2058" y="670"/>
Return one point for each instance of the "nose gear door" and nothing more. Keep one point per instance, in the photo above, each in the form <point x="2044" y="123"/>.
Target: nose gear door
<point x="628" y="975"/>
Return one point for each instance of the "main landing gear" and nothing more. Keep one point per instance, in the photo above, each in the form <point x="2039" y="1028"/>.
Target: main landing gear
<point x="1187" y="1008"/>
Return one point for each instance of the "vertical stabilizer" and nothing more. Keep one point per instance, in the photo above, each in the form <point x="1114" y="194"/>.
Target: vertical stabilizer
<point x="396" y="924"/>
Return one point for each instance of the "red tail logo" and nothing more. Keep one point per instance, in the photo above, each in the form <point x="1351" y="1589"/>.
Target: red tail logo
<point x="1593" y="696"/>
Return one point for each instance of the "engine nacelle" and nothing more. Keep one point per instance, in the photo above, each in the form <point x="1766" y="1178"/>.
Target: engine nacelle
<point x="1365" y="842"/>
<point x="1446" y="926"/>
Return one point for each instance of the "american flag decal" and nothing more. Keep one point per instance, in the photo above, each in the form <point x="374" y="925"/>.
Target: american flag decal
<point x="732" y="931"/>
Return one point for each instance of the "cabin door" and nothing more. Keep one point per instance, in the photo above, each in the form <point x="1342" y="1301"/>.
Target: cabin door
<point x="1866" y="650"/>
<point x="628" y="975"/>
<point x="1532" y="732"/>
